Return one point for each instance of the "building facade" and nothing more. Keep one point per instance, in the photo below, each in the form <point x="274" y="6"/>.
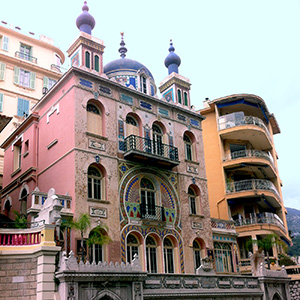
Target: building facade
<point x="111" y="148"/>
<point x="29" y="67"/>
<point x="241" y="166"/>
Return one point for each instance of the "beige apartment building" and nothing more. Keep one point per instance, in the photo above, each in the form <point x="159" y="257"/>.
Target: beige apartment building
<point x="244" y="186"/>
<point x="29" y="67"/>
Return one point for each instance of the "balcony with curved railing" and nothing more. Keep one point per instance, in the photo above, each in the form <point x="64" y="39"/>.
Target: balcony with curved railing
<point x="151" y="152"/>
<point x="256" y="156"/>
<point x="152" y="212"/>
<point x="261" y="218"/>
<point x="243" y="122"/>
<point x="252" y="185"/>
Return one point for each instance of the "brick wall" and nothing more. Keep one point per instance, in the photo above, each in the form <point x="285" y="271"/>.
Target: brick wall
<point x="18" y="278"/>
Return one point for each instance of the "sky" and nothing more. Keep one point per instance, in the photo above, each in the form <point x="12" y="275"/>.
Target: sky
<point x="226" y="47"/>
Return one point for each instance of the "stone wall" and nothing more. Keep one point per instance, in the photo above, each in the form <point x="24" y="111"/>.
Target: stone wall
<point x="18" y="278"/>
<point x="295" y="289"/>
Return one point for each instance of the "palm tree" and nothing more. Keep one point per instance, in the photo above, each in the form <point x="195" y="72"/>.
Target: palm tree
<point x="97" y="236"/>
<point x="266" y="244"/>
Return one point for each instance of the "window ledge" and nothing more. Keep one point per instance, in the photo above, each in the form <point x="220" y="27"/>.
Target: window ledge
<point x="191" y="162"/>
<point x="25" y="154"/>
<point x="97" y="136"/>
<point x="98" y="201"/>
<point x="196" y="216"/>
<point x="15" y="172"/>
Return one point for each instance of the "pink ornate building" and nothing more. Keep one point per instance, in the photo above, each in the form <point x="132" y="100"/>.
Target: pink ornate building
<point x="110" y="147"/>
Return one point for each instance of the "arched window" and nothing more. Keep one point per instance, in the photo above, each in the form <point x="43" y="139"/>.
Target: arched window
<point x="95" y="249"/>
<point x="192" y="201"/>
<point x="197" y="254"/>
<point x="95" y="179"/>
<point x="188" y="147"/>
<point x="223" y="257"/>
<point x="179" y="96"/>
<point x="143" y="84"/>
<point x="97" y="63"/>
<point x="132" y="247"/>
<point x="94" y="119"/>
<point x="23" y="200"/>
<point x="151" y="255"/>
<point x="132" y="126"/>
<point x="186" y="101"/>
<point x="168" y="256"/>
<point x="87" y="59"/>
<point x="157" y="134"/>
<point x="7" y="207"/>
<point x="147" y="199"/>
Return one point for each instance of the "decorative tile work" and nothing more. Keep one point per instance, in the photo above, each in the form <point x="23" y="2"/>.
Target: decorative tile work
<point x="195" y="122"/>
<point x="181" y="117"/>
<point x="169" y="96"/>
<point x="126" y="98"/>
<point x="127" y="80"/>
<point x="129" y="177"/>
<point x="132" y="192"/>
<point x="85" y="83"/>
<point x="121" y="129"/>
<point x="145" y="105"/>
<point x="104" y="89"/>
<point x="166" y="197"/>
<point x="163" y="111"/>
<point x="227" y="239"/>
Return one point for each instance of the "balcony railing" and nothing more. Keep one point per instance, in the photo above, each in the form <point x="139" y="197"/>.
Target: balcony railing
<point x="152" y="212"/>
<point x="149" y="148"/>
<point x="246" y="120"/>
<point x="58" y="68"/>
<point x="26" y="56"/>
<point x="267" y="218"/>
<point x="251" y="184"/>
<point x="250" y="153"/>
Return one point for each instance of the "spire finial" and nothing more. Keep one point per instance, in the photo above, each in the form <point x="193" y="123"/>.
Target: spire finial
<point x="122" y="49"/>
<point x="85" y="22"/>
<point x="172" y="61"/>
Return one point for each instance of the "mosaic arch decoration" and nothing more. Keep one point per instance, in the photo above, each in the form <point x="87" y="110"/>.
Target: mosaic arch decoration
<point x="144" y="231"/>
<point x="129" y="183"/>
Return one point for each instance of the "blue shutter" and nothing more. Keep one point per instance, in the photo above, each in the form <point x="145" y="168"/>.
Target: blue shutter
<point x="23" y="107"/>
<point x="1" y="102"/>
<point x="20" y="107"/>
<point x="26" y="107"/>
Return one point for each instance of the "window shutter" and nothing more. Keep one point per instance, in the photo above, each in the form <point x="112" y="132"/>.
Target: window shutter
<point x="1" y="102"/>
<point x="32" y="80"/>
<point x="20" y="107"/>
<point x="2" y="70"/>
<point x="17" y="75"/>
<point x="5" y="43"/>
<point x="45" y="82"/>
<point x="26" y="107"/>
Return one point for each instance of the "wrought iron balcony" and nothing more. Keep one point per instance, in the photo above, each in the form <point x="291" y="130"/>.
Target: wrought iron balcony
<point x="261" y="218"/>
<point x="25" y="56"/>
<point x="152" y="212"/>
<point x="149" y="151"/>
<point x="251" y="184"/>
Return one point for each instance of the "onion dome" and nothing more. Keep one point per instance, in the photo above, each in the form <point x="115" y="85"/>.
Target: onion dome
<point x="124" y="65"/>
<point x="172" y="61"/>
<point x="85" y="22"/>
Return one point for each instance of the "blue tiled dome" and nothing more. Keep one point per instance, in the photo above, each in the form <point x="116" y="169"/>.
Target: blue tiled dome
<point x="125" y="64"/>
